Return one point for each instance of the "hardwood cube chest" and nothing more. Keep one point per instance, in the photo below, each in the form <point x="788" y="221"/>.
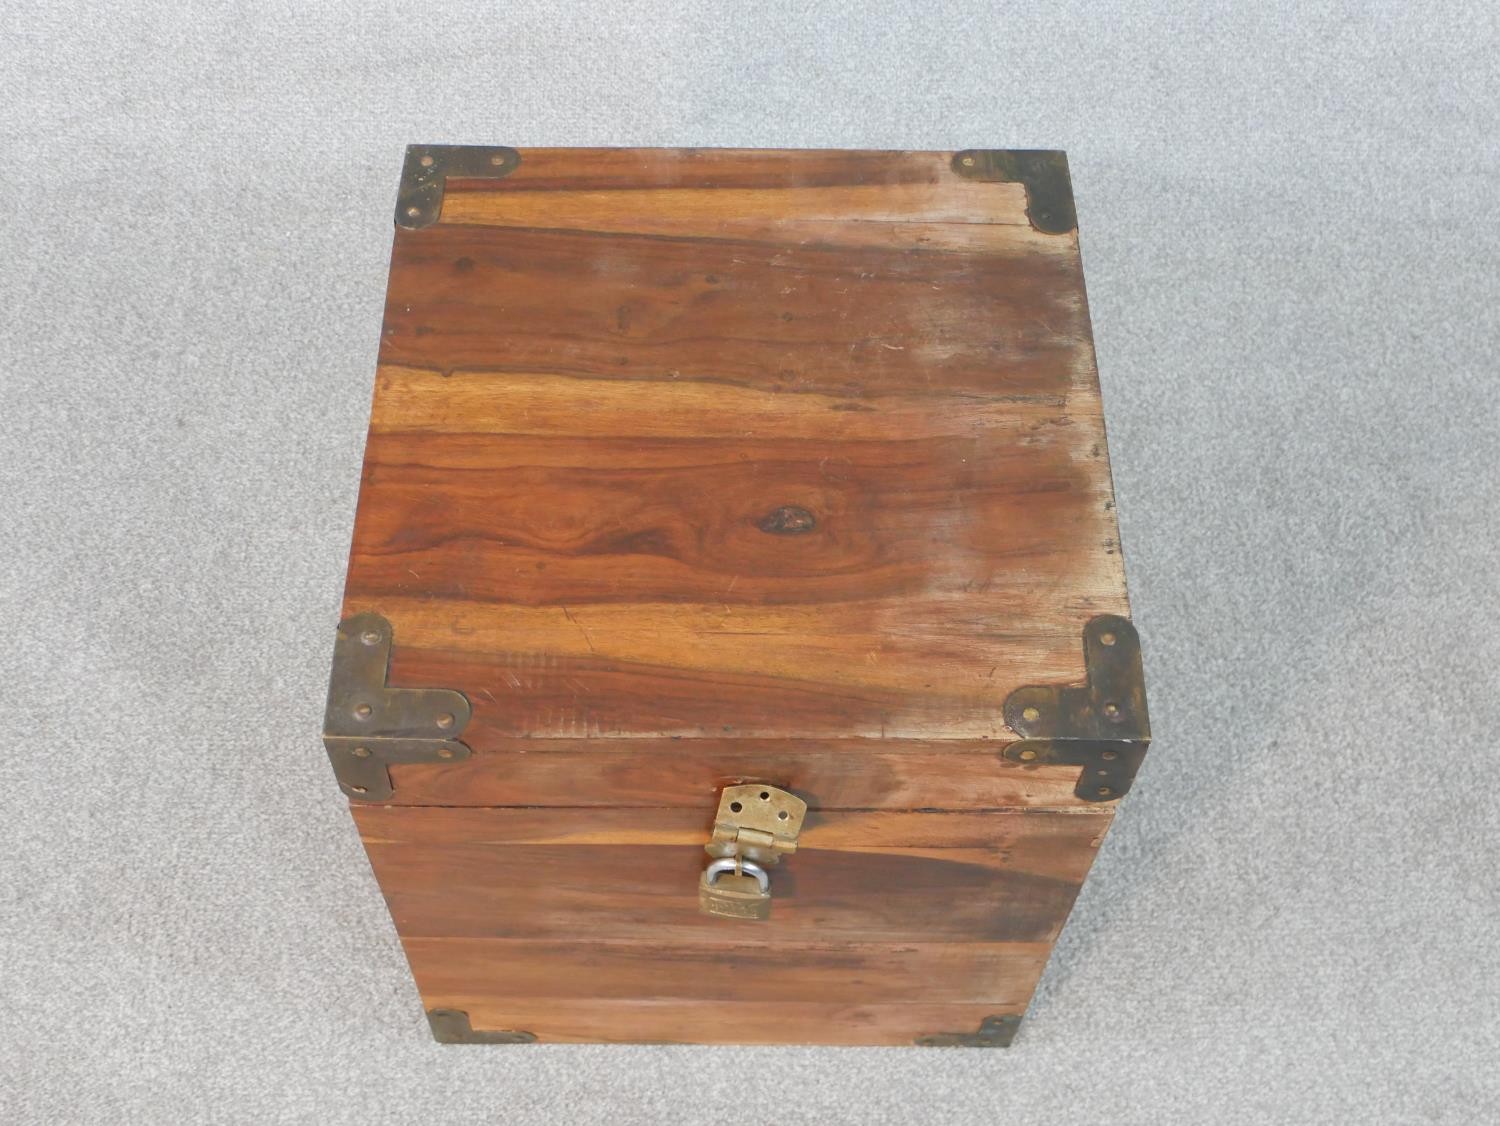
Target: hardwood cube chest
<point x="735" y="646"/>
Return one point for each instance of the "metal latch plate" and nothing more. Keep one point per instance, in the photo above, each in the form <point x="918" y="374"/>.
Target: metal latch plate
<point x="757" y="822"/>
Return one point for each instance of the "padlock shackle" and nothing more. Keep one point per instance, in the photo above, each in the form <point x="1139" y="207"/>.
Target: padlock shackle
<point x="737" y="864"/>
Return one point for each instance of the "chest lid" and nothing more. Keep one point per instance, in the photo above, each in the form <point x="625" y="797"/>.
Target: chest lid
<point x="718" y="443"/>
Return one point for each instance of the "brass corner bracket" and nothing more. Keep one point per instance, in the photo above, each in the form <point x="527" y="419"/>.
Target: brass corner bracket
<point x="368" y="725"/>
<point x="1102" y="726"/>
<point x="994" y="1032"/>
<point x="425" y="175"/>
<point x="1043" y="173"/>
<point x="451" y="1026"/>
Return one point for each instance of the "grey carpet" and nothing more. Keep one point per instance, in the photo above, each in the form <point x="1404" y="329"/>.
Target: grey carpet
<point x="1290" y="228"/>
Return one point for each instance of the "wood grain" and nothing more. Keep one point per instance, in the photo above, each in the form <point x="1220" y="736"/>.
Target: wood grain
<point x="632" y="875"/>
<point x="527" y="915"/>
<point x="742" y="313"/>
<point x="908" y="201"/>
<point x="998" y="975"/>
<point x="829" y="774"/>
<point x="583" y="430"/>
<point x="576" y="169"/>
<point x="679" y="1021"/>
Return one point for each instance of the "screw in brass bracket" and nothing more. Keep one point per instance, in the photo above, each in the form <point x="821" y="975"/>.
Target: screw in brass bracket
<point x="368" y="725"/>
<point x="425" y="174"/>
<point x="1042" y="172"/>
<point x="451" y="1026"/>
<point x="994" y="1032"/>
<point x="1101" y="727"/>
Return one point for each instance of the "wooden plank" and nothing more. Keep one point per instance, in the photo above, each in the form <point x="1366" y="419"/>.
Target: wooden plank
<point x="411" y="401"/>
<point x="573" y="169"/>
<point x="912" y="218"/>
<point x="908" y="200"/>
<point x="827" y="773"/>
<point x="559" y="874"/>
<point x="814" y="318"/>
<point x="1035" y="834"/>
<point x="542" y="520"/>
<point x="471" y="971"/>
<point x="593" y="1020"/>
<point x="696" y="671"/>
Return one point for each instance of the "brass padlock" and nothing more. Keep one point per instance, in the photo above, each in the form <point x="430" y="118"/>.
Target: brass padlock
<point x="735" y="889"/>
<point x="754" y="828"/>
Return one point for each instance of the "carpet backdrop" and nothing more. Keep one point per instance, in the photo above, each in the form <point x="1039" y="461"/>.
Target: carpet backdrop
<point x="1289" y="221"/>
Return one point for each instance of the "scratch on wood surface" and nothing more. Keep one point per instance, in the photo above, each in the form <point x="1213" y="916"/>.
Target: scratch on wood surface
<point x="569" y="615"/>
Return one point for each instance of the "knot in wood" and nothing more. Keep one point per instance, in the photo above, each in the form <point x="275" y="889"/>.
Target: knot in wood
<point x="788" y="520"/>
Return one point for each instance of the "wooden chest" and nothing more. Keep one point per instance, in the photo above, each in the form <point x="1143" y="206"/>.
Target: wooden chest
<point x="702" y="484"/>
